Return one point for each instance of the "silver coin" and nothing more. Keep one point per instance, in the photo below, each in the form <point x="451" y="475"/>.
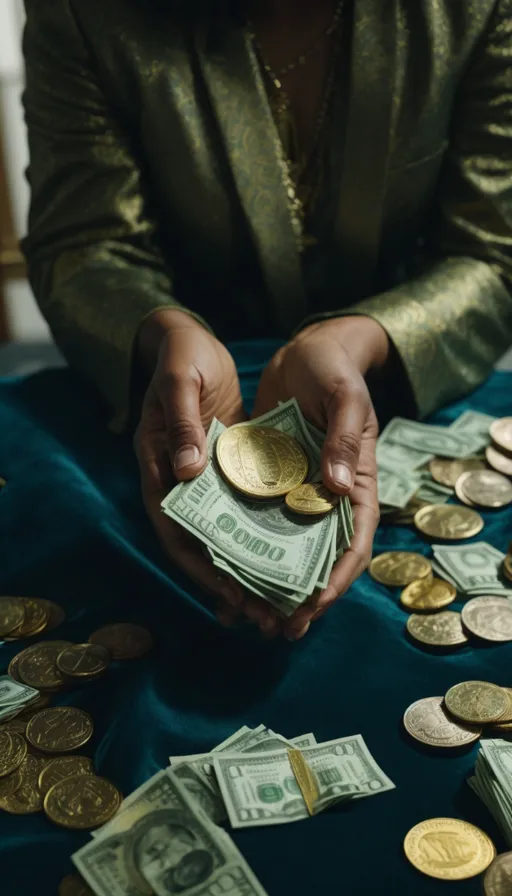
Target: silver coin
<point x="489" y="618"/>
<point x="488" y="488"/>
<point x="427" y="721"/>
<point x="459" y="488"/>
<point x="498" y="877"/>
<point x="498" y="460"/>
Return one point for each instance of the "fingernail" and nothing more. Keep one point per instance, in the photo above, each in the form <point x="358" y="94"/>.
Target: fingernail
<point x="186" y="457"/>
<point x="231" y="596"/>
<point x="341" y="474"/>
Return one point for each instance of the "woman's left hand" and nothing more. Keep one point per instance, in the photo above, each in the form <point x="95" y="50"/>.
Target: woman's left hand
<point x="324" y="368"/>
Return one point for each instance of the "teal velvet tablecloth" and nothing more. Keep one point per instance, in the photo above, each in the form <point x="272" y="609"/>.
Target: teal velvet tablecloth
<point x="72" y="528"/>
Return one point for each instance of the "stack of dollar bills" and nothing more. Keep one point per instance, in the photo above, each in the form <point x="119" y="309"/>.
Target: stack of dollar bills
<point x="166" y="839"/>
<point x="472" y="568"/>
<point x="280" y="556"/>
<point x="492" y="782"/>
<point x="405" y="447"/>
<point x="14" y="697"/>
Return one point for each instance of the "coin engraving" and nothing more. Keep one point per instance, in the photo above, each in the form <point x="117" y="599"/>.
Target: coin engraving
<point x="123" y="640"/>
<point x="83" y="660"/>
<point x="449" y="849"/>
<point x="26" y="799"/>
<point x="12" y="614"/>
<point x="438" y="630"/>
<point x="82" y="802"/>
<point x="59" y="729"/>
<point x="63" y="767"/>
<point x="35" y="619"/>
<point x="399" y="568"/>
<point x="446" y="472"/>
<point x="261" y="462"/>
<point x="434" y="595"/>
<point x="448" y="521"/>
<point x="13" y="749"/>
<point x="476" y="702"/>
<point x="486" y="488"/>
<point x="37" y="666"/>
<point x="311" y="498"/>
<point x="489" y="618"/>
<point x="498" y="878"/>
<point x="428" y="722"/>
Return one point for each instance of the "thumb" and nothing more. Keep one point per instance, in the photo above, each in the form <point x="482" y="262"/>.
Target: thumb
<point x="346" y="418"/>
<point x="180" y="397"/>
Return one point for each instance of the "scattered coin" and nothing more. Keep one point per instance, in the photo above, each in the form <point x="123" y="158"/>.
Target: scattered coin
<point x="26" y="799"/>
<point x="311" y="498"/>
<point x="37" y="667"/>
<point x="261" y="462"/>
<point x="449" y="849"/>
<point x="459" y="490"/>
<point x="13" y="749"/>
<point x="489" y="618"/>
<point x="507" y="567"/>
<point x="84" y="661"/>
<point x="12" y="614"/>
<point x="498" y="878"/>
<point x="56" y="614"/>
<point x="428" y="722"/>
<point x="399" y="568"/>
<point x="437" y="630"/>
<point x="501" y="434"/>
<point x="82" y="802"/>
<point x="124" y="641"/>
<point x="36" y="617"/>
<point x="498" y="461"/>
<point x="63" y="767"/>
<point x="59" y="729"/>
<point x="476" y="702"/>
<point x="486" y="488"/>
<point x="10" y="783"/>
<point x="448" y="521"/>
<point x="426" y="595"/>
<point x="446" y="472"/>
<point x="74" y="885"/>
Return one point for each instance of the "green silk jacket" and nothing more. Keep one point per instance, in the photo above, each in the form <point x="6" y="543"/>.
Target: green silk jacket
<point x="157" y="179"/>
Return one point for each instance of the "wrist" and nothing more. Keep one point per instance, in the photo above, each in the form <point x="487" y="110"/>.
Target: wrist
<point x="363" y="339"/>
<point x="153" y="330"/>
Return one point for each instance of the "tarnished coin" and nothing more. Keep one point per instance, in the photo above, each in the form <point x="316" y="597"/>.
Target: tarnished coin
<point x="427" y="721"/>
<point x="489" y="618"/>
<point x="10" y="783"/>
<point x="448" y="521"/>
<point x="486" y="488"/>
<point x="498" y="461"/>
<point x="82" y="802"/>
<point x="14" y="726"/>
<point x="261" y="462"/>
<point x="124" y="640"/>
<point x="63" y="767"/>
<point x="35" y="619"/>
<point x="426" y="595"/>
<point x="12" y="614"/>
<point x="56" y="614"/>
<point x="476" y="702"/>
<point x="26" y="799"/>
<point x="59" y="729"/>
<point x="449" y="849"/>
<point x="74" y="885"/>
<point x="437" y="630"/>
<point x="507" y="567"/>
<point x="311" y="498"/>
<point x="459" y="489"/>
<point x="37" y="667"/>
<point x="400" y="568"/>
<point x="501" y="434"/>
<point x="498" y="877"/>
<point x="13" y="749"/>
<point x="84" y="661"/>
<point x="446" y="472"/>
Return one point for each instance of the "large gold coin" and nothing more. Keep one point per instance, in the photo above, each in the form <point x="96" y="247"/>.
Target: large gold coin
<point x="82" y="802"/>
<point x="489" y="618"/>
<point x="63" y="767"/>
<point x="428" y="595"/>
<point x="498" y="878"/>
<point x="399" y="568"/>
<point x="74" y="885"/>
<point x="37" y="667"/>
<point x="438" y="629"/>
<point x="446" y="472"/>
<point x="10" y="783"/>
<point x="12" y="614"/>
<point x="59" y="729"/>
<point x="507" y="567"/>
<point x="123" y="640"/>
<point x="36" y="616"/>
<point x="501" y="434"/>
<point x="429" y="723"/>
<point x="486" y="488"/>
<point x="84" y="661"/>
<point x="476" y="702"/>
<point x="261" y="462"/>
<point x="26" y="799"/>
<point x="311" y="498"/>
<point x="449" y="849"/>
<point x="13" y="749"/>
<point x="448" y="521"/>
<point x="498" y="461"/>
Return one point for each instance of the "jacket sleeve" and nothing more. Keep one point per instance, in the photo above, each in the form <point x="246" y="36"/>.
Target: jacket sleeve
<point x="92" y="248"/>
<point x="453" y="320"/>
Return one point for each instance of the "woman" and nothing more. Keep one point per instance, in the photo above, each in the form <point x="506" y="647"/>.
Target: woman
<point x="335" y="173"/>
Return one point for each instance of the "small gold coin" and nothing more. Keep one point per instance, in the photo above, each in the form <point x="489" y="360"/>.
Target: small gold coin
<point x="438" y="629"/>
<point x="400" y="568"/>
<point x="476" y="702"/>
<point x="459" y="490"/>
<point x="434" y="595"/>
<point x="13" y="749"/>
<point x="82" y="802"/>
<point x="428" y="722"/>
<point x="63" y="767"/>
<point x="448" y="521"/>
<point x="501" y="434"/>
<point x="446" y="472"/>
<point x="124" y="640"/>
<point x="84" y="661"/>
<point x="74" y="885"/>
<point x="498" y="461"/>
<point x="507" y="567"/>
<point x="261" y="462"/>
<point x="26" y="799"/>
<point x="10" y="783"/>
<point x="498" y="877"/>
<point x="449" y="849"/>
<point x="37" y="667"/>
<point x="12" y="614"/>
<point x="311" y="498"/>
<point x="59" y="729"/>
<point x="36" y="617"/>
<point x="486" y="488"/>
<point x="489" y="618"/>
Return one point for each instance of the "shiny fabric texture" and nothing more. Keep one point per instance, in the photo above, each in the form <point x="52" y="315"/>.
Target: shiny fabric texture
<point x="157" y="178"/>
<point x="73" y="529"/>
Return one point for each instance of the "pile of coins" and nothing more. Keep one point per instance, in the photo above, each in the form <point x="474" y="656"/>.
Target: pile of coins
<point x="499" y="454"/>
<point x="24" y="617"/>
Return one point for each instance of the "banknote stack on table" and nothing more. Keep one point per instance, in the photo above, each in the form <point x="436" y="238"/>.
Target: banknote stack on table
<point x="492" y="782"/>
<point x="261" y="510"/>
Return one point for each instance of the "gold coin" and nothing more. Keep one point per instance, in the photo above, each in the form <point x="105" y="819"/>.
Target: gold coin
<point x="476" y="702"/>
<point x="311" y="498"/>
<point x="507" y="567"/>
<point x="82" y="802"/>
<point x="437" y="630"/>
<point x="59" y="729"/>
<point x="428" y="595"/>
<point x="486" y="488"/>
<point x="449" y="849"/>
<point x="26" y="799"/>
<point x="56" y="614"/>
<point x="459" y="489"/>
<point x="12" y="614"/>
<point x="506" y="718"/>
<point x="399" y="568"/>
<point x="429" y="723"/>
<point x="37" y="667"/>
<point x="501" y="434"/>
<point x="85" y="661"/>
<point x="498" y="878"/>
<point x="14" y="726"/>
<point x="13" y="749"/>
<point x="448" y="521"/>
<point x="35" y="619"/>
<point x="63" y="767"/>
<point x="124" y="641"/>
<point x="10" y="783"/>
<point x="498" y="461"/>
<point x="489" y="618"/>
<point x="261" y="462"/>
<point x="74" y="885"/>
<point x="446" y="472"/>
